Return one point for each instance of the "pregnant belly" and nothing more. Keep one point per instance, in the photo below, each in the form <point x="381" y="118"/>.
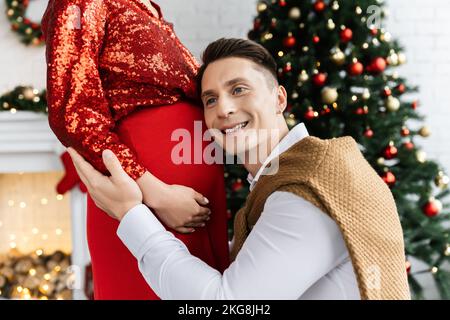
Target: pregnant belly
<point x="154" y="132"/>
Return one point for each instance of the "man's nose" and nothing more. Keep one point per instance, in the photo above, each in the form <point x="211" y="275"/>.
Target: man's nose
<point x="225" y="108"/>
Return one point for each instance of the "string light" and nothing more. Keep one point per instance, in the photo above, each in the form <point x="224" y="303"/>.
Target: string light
<point x="58" y="232"/>
<point x="13" y="245"/>
<point x="32" y="272"/>
<point x="39" y="252"/>
<point x="47" y="276"/>
<point x="44" y="236"/>
<point x="59" y="197"/>
<point x="22" y="204"/>
<point x="35" y="231"/>
<point x="44" y="201"/>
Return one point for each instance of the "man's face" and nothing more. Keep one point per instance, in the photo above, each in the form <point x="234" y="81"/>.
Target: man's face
<point x="242" y="102"/>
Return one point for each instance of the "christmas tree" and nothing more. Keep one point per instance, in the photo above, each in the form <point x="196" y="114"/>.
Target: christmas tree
<point x="338" y="63"/>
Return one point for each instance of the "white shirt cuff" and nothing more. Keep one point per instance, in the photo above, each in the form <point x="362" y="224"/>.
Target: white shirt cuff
<point x="138" y="224"/>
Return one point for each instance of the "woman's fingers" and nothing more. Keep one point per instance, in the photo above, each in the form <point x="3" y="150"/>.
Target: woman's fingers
<point x="195" y="225"/>
<point x="199" y="219"/>
<point x="203" y="211"/>
<point x="185" y="230"/>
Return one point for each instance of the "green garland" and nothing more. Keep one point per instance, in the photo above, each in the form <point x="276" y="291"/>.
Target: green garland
<point x="30" y="32"/>
<point x="24" y="99"/>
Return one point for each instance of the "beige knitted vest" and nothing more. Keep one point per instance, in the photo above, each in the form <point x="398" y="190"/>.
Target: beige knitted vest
<point x="334" y="176"/>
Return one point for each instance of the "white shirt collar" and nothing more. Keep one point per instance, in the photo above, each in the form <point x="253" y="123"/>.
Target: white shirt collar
<point x="295" y="135"/>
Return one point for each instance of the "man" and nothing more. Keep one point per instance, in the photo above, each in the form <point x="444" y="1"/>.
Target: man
<point x="313" y="228"/>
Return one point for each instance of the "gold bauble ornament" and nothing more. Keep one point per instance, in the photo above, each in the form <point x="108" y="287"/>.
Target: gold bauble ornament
<point x="392" y="104"/>
<point x="329" y="95"/>
<point x="303" y="76"/>
<point x="401" y="58"/>
<point x="28" y="31"/>
<point x="337" y="56"/>
<point x="28" y="93"/>
<point x="392" y="59"/>
<point x="366" y="94"/>
<point x="380" y="161"/>
<point x="335" y="6"/>
<point x="421" y="156"/>
<point x="425" y="131"/>
<point x="330" y="24"/>
<point x="295" y="13"/>
<point x="262" y="6"/>
<point x="291" y="122"/>
<point x="441" y="180"/>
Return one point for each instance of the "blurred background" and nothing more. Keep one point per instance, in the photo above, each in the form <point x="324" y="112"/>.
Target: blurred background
<point x="345" y="75"/>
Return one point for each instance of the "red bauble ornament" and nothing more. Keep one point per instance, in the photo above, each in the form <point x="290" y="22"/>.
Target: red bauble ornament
<point x="356" y="68"/>
<point x="409" y="145"/>
<point x="389" y="178"/>
<point x="289" y="41"/>
<point x="287" y="67"/>
<point x="362" y="110"/>
<point x="346" y="35"/>
<point x="405" y="132"/>
<point x="414" y="105"/>
<point x="390" y="152"/>
<point x="401" y="88"/>
<point x="432" y="208"/>
<point x="319" y="6"/>
<point x="325" y="111"/>
<point x="229" y="215"/>
<point x="368" y="133"/>
<point x="282" y="3"/>
<point x="309" y="115"/>
<point x="387" y="92"/>
<point x="256" y="24"/>
<point x="237" y="185"/>
<point x="26" y="21"/>
<point x="377" y="65"/>
<point x="374" y="31"/>
<point x="319" y="79"/>
<point x="316" y="39"/>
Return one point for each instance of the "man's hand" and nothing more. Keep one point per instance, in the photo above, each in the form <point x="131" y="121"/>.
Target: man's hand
<point x="115" y="195"/>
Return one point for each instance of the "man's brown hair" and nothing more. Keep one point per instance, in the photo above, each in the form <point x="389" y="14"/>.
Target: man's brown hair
<point x="237" y="48"/>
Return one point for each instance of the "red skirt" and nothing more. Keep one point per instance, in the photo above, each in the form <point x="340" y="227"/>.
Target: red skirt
<point x="148" y="132"/>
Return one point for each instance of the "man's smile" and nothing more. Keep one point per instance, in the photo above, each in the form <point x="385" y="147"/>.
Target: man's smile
<point x="232" y="128"/>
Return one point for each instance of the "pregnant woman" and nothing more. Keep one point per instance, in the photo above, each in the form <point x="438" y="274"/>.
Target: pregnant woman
<point x="118" y="78"/>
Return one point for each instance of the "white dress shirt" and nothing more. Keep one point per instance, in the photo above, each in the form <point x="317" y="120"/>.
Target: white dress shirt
<point x="294" y="251"/>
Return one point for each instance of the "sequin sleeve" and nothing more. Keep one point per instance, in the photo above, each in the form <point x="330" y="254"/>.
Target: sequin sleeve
<point x="79" y="112"/>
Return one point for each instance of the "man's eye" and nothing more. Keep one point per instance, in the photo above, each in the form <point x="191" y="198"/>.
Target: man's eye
<point x="238" y="90"/>
<point x="209" y="101"/>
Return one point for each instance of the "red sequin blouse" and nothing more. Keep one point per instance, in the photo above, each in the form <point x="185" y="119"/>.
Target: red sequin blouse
<point x="105" y="58"/>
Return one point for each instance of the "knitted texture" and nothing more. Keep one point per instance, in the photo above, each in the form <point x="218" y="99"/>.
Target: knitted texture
<point x="333" y="175"/>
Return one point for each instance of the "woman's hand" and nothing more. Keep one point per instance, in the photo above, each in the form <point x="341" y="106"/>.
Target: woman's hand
<point x="180" y="208"/>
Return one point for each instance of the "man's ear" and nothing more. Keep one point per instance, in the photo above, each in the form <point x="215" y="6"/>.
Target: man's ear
<point x="282" y="99"/>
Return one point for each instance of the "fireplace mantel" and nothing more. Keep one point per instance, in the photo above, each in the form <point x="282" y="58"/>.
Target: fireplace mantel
<point x="27" y="144"/>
